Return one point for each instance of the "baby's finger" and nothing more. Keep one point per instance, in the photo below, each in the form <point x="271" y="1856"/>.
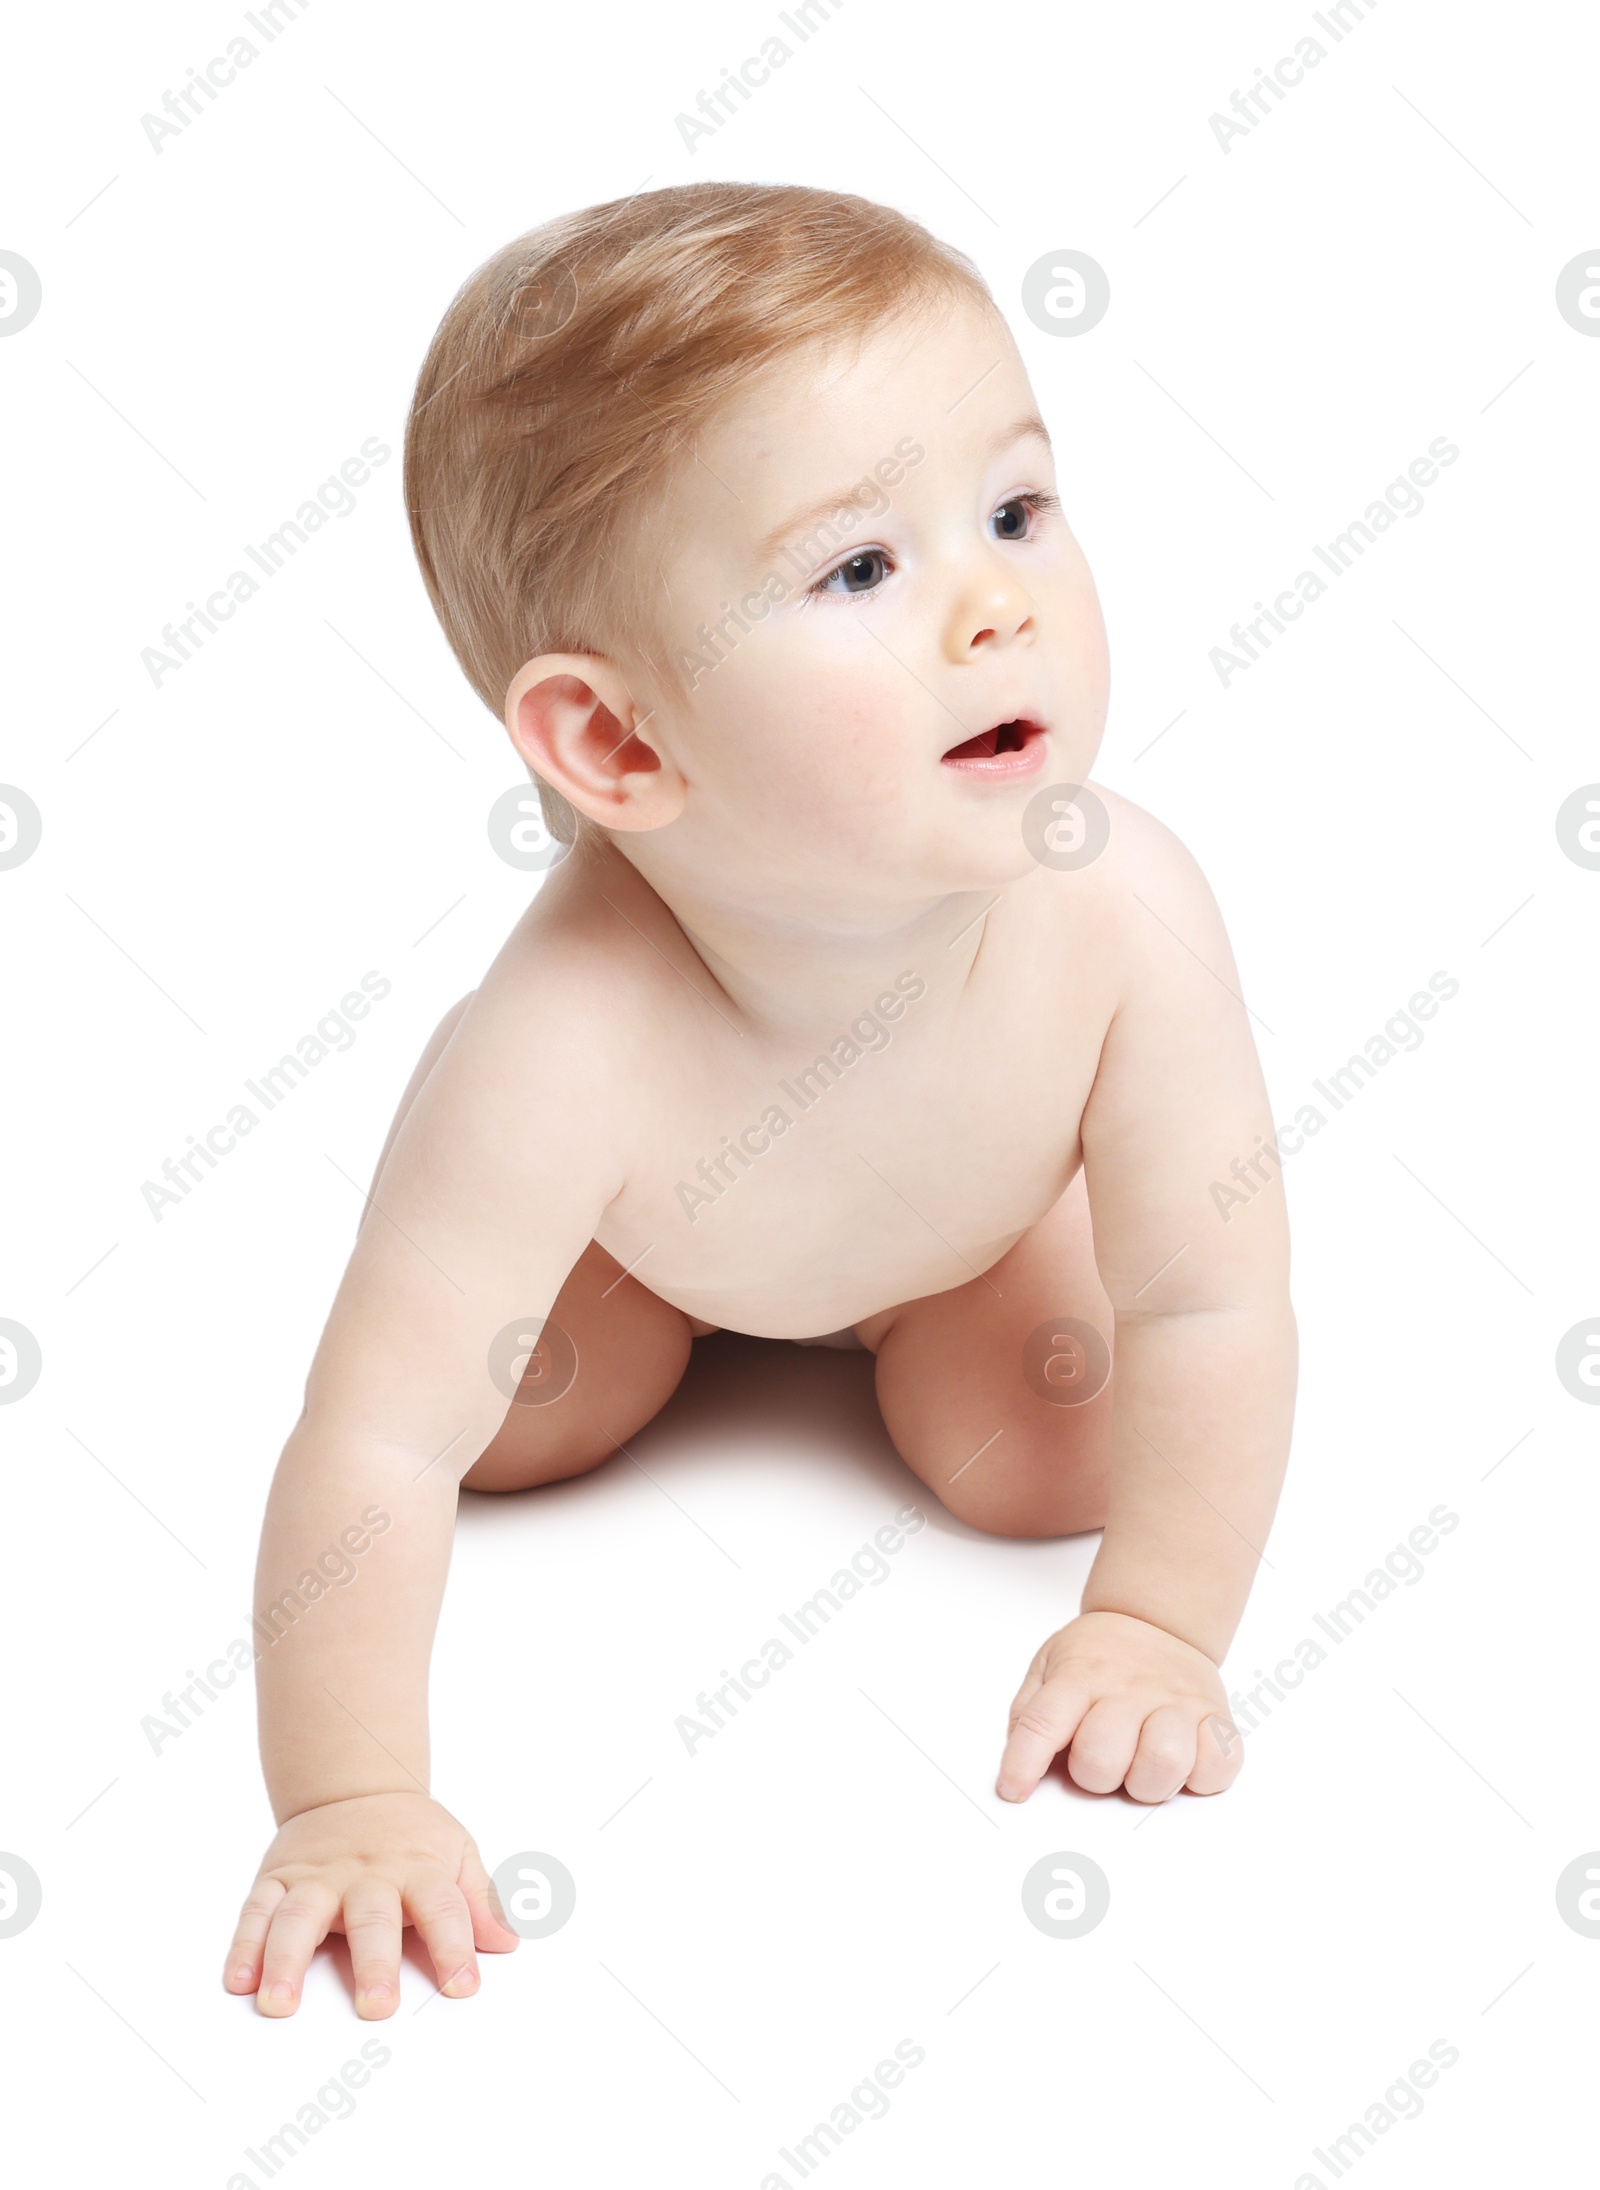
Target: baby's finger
<point x="491" y="1934"/>
<point x="1165" y="1756"/>
<point x="373" y="1923"/>
<point x="1102" y="1748"/>
<point x="438" y="1908"/>
<point x="243" y="1967"/>
<point x="1032" y="1681"/>
<point x="1219" y="1755"/>
<point x="300" y="1923"/>
<point x="1040" y="1729"/>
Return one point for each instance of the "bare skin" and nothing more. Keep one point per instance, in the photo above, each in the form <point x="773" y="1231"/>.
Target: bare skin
<point x="783" y="853"/>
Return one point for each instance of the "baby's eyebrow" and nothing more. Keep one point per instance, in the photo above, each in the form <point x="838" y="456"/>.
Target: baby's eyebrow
<point x="1031" y="428"/>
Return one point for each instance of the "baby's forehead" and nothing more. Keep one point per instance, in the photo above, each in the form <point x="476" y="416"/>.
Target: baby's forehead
<point x="920" y="351"/>
<point x="951" y="382"/>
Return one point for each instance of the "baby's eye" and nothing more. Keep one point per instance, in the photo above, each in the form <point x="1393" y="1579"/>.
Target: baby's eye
<point x="1013" y="519"/>
<point x="861" y="573"/>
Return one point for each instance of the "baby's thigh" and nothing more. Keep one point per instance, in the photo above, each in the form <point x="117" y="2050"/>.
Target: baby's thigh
<point x="609" y="1358"/>
<point x="991" y="1395"/>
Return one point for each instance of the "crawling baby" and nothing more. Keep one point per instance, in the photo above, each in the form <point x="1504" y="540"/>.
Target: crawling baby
<point x="851" y="1011"/>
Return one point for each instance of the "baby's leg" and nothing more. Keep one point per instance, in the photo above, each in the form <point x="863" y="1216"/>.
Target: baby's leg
<point x="631" y="1346"/>
<point x="961" y="1406"/>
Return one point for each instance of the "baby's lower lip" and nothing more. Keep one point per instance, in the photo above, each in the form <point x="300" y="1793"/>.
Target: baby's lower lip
<point x="1001" y="754"/>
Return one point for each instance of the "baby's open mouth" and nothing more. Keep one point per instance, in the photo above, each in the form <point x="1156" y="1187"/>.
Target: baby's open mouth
<point x="993" y="745"/>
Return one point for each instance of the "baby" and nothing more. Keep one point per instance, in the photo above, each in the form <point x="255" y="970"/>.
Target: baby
<point x="853" y="1011"/>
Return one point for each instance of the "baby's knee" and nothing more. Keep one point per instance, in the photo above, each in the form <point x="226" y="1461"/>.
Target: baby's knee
<point x="1065" y="1510"/>
<point x="1033" y="1482"/>
<point x="517" y="1458"/>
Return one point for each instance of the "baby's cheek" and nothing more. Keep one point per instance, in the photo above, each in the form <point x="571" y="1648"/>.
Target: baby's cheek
<point x="833" y="747"/>
<point x="818" y="730"/>
<point x="1087" y="645"/>
<point x="871" y="717"/>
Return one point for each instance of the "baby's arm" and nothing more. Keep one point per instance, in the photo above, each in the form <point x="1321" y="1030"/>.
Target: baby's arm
<point x="491" y="1192"/>
<point x="1204" y="1365"/>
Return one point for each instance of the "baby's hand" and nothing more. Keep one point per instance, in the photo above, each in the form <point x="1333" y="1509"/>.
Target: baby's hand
<point x="366" y="1867"/>
<point x="1139" y="1709"/>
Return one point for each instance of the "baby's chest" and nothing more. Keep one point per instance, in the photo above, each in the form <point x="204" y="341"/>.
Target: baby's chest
<point x="877" y="1160"/>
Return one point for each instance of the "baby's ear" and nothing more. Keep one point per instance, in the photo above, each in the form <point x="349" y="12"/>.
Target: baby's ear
<point x="574" y="720"/>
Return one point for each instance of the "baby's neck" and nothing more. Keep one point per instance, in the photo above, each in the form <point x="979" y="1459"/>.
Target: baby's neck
<point x="790" y="970"/>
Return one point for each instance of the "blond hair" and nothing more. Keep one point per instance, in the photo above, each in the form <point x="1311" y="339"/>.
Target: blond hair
<point x="575" y="369"/>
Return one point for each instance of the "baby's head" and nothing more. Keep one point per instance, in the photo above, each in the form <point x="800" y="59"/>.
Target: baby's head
<point x="736" y="501"/>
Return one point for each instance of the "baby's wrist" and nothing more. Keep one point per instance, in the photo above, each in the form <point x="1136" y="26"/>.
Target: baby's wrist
<point x="1193" y="1635"/>
<point x="300" y="1800"/>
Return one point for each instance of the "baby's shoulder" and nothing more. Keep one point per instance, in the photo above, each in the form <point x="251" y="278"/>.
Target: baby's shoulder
<point x="1138" y="845"/>
<point x="1157" y="918"/>
<point x="574" y="978"/>
<point x="1127" y="863"/>
<point x="561" y="1023"/>
<point x="1127" y="893"/>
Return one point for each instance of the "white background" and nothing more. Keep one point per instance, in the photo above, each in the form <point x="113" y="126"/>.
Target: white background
<point x="224" y="321"/>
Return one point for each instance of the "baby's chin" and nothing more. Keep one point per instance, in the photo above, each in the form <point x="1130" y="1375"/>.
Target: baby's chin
<point x="870" y="854"/>
<point x="954" y="861"/>
<point x="998" y="870"/>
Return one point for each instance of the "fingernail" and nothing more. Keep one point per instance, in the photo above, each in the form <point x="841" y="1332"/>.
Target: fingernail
<point x="276" y="1999"/>
<point x="463" y="1982"/>
<point x="241" y="1975"/>
<point x="374" y="2000"/>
